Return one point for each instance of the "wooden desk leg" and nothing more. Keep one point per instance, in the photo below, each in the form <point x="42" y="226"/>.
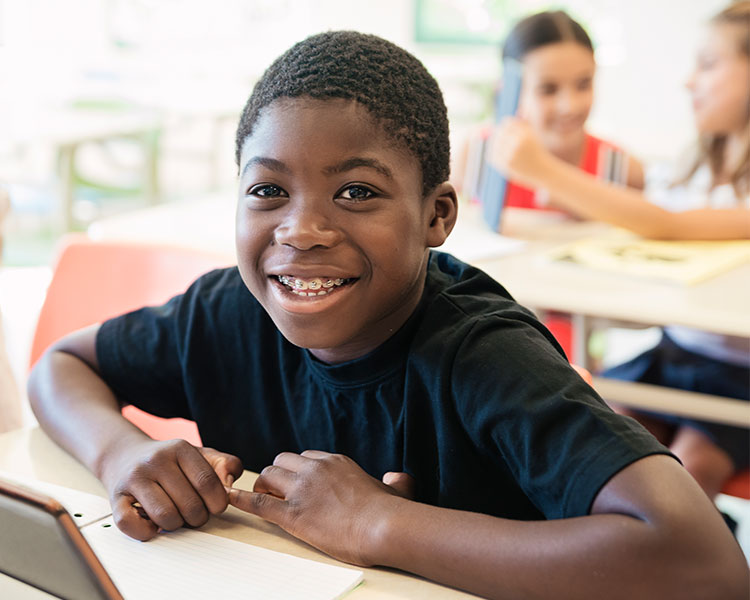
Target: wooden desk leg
<point x="151" y="167"/>
<point x="582" y="327"/>
<point x="65" y="158"/>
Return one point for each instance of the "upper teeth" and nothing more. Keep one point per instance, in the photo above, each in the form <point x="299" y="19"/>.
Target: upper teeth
<point x="312" y="284"/>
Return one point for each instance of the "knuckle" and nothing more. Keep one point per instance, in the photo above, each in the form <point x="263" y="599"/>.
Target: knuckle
<point x="206" y="480"/>
<point x="259" y="502"/>
<point x="166" y="517"/>
<point x="194" y="512"/>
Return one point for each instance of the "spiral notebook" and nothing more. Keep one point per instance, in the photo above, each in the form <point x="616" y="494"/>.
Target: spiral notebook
<point x="44" y="549"/>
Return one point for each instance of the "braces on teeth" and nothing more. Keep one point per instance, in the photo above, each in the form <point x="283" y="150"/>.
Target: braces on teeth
<point x="309" y="288"/>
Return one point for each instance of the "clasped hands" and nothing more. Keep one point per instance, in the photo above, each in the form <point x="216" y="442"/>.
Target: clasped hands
<point x="324" y="499"/>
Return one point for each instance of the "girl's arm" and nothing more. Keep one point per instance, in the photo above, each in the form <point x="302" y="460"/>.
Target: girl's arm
<point x="516" y="151"/>
<point x="636" y="178"/>
<point x="652" y="533"/>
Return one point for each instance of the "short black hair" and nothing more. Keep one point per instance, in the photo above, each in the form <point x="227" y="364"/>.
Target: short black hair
<point x="540" y="29"/>
<point x="391" y="83"/>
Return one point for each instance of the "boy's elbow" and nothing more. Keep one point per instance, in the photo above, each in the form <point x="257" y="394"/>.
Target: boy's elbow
<point x="705" y="561"/>
<point x="730" y="581"/>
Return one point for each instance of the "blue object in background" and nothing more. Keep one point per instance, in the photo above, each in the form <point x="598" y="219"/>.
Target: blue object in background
<point x="492" y="185"/>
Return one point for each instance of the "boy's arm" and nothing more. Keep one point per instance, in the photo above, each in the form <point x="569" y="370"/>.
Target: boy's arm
<point x="652" y="533"/>
<point x="516" y="151"/>
<point x="174" y="482"/>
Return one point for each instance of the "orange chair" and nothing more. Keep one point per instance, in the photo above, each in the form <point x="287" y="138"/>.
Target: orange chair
<point x="93" y="281"/>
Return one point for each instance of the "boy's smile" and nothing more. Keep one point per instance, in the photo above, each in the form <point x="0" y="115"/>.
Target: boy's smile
<point x="332" y="226"/>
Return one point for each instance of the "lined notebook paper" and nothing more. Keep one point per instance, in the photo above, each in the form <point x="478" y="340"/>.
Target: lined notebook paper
<point x="189" y="563"/>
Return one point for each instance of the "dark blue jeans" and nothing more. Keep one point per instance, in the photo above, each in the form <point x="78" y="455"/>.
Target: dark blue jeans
<point x="670" y="365"/>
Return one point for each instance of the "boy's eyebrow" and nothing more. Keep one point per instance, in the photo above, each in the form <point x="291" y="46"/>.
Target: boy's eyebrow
<point x="346" y="165"/>
<point x="268" y="163"/>
<point x="357" y="161"/>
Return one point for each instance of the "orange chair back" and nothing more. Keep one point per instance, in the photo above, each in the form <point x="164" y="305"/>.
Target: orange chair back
<point x="93" y="281"/>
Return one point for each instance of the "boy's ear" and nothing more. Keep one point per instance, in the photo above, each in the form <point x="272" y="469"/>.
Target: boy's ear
<point x="443" y="204"/>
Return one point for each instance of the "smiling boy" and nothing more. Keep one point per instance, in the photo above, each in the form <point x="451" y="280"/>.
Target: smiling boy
<point x="403" y="410"/>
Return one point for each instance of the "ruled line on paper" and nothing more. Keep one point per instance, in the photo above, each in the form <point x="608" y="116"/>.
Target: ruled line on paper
<point x="195" y="564"/>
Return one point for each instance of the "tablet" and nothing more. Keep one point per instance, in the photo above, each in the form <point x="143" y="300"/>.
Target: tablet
<point x="41" y="545"/>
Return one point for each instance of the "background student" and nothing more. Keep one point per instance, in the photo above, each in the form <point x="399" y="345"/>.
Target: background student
<point x="718" y="179"/>
<point x="710" y="199"/>
<point x="401" y="408"/>
<point x="557" y="92"/>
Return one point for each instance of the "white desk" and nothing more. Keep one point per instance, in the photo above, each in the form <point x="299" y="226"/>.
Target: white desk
<point x="32" y="453"/>
<point x="720" y="304"/>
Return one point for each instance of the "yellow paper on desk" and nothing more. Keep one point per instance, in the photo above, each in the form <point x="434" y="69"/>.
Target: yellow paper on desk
<point x="679" y="262"/>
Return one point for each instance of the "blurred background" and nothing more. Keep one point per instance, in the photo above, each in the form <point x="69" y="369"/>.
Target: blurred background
<point x="108" y="105"/>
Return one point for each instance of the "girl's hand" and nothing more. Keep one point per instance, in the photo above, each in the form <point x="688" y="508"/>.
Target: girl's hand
<point x="517" y="152"/>
<point x="328" y="501"/>
<point x="157" y="485"/>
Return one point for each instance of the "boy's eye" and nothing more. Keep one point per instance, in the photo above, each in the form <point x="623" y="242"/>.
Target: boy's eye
<point x="356" y="193"/>
<point x="266" y="190"/>
<point x="584" y="84"/>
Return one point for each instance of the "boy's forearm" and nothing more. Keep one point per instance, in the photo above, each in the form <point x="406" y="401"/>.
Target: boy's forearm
<point x="77" y="409"/>
<point x="600" y="556"/>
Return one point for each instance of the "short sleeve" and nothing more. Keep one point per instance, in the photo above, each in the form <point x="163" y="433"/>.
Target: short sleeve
<point x="521" y="402"/>
<point x="139" y="359"/>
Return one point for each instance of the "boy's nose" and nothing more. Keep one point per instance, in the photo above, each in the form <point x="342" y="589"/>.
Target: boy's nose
<point x="306" y="228"/>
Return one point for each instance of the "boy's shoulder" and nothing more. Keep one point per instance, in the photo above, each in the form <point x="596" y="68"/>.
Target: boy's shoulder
<point x="455" y="286"/>
<point x="461" y="302"/>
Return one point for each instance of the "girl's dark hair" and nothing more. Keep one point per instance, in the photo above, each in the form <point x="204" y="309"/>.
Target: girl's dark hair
<point x="541" y="29"/>
<point x="384" y="78"/>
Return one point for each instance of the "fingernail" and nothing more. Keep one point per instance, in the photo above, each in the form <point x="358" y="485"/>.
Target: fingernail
<point x="229" y="480"/>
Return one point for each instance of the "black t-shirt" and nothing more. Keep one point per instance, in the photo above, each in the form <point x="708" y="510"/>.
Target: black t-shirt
<point x="472" y="396"/>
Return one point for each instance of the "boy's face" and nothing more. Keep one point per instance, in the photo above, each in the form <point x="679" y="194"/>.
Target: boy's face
<point x="332" y="228"/>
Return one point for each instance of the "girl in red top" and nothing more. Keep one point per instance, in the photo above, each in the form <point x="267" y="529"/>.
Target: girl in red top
<point x="556" y="96"/>
<point x="557" y="58"/>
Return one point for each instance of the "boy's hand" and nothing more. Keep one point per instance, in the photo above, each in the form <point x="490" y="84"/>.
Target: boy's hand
<point x="171" y="483"/>
<point x="326" y="500"/>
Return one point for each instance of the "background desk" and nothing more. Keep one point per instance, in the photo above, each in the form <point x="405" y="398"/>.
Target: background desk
<point x="30" y="452"/>
<point x="719" y="304"/>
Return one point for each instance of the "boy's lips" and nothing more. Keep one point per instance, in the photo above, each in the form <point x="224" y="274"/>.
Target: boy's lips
<point x="306" y="292"/>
